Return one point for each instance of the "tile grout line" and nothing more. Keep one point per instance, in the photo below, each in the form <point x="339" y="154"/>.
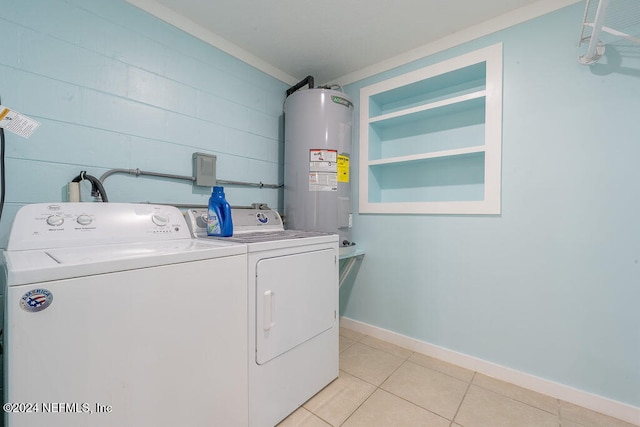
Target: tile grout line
<point x="382" y="382"/>
<point x="358" y="407"/>
<point x="416" y="363"/>
<point x="400" y="397"/>
<point x="515" y="399"/>
<point x="368" y="397"/>
<point x="453" y="419"/>
<point x="323" y="420"/>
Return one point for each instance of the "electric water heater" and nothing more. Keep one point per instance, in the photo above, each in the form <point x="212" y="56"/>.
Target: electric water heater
<point x="317" y="152"/>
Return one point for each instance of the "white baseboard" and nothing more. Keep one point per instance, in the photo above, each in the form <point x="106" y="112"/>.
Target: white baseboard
<point x="587" y="400"/>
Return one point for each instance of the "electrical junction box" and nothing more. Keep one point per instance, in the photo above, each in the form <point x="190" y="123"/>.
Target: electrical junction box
<point x="204" y="169"/>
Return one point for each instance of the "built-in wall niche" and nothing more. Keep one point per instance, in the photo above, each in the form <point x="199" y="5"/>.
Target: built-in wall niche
<point x="430" y="140"/>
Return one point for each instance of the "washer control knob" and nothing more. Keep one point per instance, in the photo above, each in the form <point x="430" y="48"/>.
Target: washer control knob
<point x="262" y="218"/>
<point x="55" y="220"/>
<point x="159" y="219"/>
<point x="84" y="219"/>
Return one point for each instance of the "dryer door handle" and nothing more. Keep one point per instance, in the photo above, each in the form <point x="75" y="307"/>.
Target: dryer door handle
<point x="268" y="302"/>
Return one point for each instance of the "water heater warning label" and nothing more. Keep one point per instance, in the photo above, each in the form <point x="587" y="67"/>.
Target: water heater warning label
<point x="343" y="168"/>
<point x="323" y="170"/>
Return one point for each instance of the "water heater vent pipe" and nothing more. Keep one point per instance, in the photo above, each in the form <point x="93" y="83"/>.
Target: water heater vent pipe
<point x="307" y="80"/>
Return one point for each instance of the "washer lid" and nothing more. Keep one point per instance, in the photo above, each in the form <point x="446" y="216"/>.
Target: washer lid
<point x="34" y="266"/>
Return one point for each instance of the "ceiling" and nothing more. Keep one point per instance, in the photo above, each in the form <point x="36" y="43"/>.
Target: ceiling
<point x="329" y="39"/>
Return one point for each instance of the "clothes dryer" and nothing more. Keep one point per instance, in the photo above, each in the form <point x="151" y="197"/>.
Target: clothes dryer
<point x="292" y="279"/>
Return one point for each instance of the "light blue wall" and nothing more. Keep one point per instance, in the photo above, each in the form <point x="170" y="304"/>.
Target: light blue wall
<point x="551" y="286"/>
<point x="114" y="87"/>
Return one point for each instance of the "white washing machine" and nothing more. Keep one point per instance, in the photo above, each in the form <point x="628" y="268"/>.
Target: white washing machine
<point x="115" y="316"/>
<point x="292" y="281"/>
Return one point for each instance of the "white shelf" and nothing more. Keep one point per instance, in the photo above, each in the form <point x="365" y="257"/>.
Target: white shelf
<point x="425" y="156"/>
<point x="448" y="207"/>
<point x="458" y="100"/>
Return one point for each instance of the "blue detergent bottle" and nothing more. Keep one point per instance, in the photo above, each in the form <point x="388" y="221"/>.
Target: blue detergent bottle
<point x="219" y="217"/>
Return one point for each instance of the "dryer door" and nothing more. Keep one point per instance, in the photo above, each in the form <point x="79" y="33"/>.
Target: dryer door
<point x="296" y="299"/>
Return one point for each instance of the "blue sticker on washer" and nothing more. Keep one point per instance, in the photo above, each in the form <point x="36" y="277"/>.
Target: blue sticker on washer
<point x="36" y="300"/>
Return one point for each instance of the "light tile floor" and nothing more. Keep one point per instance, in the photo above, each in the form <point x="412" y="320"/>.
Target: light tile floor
<point x="381" y="384"/>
